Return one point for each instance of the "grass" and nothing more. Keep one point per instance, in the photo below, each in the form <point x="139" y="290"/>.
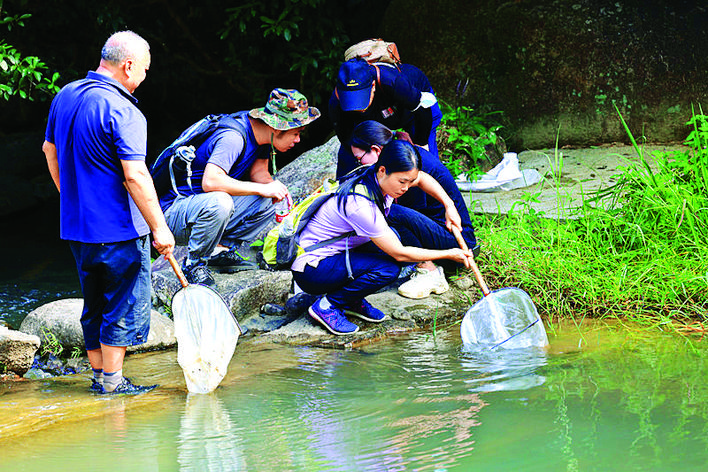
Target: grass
<point x="638" y="250"/>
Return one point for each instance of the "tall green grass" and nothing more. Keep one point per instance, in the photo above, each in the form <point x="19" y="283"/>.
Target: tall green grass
<point x="637" y="250"/>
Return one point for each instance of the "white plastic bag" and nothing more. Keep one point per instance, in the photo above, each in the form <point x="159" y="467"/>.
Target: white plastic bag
<point x="506" y="318"/>
<point x="504" y="176"/>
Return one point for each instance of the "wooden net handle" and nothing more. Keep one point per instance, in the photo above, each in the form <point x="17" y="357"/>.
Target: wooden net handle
<point x="473" y="264"/>
<point x="178" y="271"/>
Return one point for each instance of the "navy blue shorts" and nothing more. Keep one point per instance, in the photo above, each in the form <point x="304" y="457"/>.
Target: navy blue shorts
<point x="115" y="281"/>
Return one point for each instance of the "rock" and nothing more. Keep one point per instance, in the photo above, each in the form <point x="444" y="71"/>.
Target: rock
<point x="244" y="292"/>
<point x="405" y="315"/>
<point x="307" y="172"/>
<point x="79" y="364"/>
<point x="16" y="350"/>
<point x="61" y="318"/>
<point x="264" y="323"/>
<point x="54" y="365"/>
<point x="36" y="374"/>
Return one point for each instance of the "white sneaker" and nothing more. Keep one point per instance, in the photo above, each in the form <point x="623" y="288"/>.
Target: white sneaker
<point x="423" y="282"/>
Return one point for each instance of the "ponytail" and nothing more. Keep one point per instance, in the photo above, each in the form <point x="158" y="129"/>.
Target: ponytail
<point x="396" y="156"/>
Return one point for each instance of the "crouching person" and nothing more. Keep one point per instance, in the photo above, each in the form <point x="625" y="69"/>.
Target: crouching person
<point x="228" y="199"/>
<point x="348" y="269"/>
<point x="436" y="199"/>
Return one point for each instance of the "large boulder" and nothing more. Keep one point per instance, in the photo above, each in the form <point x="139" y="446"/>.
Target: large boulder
<point x="17" y="351"/>
<point x="60" y="320"/>
<point x="307" y="172"/>
<point x="244" y="292"/>
<point x="404" y="315"/>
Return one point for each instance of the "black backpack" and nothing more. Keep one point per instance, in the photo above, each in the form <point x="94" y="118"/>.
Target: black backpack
<point x="175" y="160"/>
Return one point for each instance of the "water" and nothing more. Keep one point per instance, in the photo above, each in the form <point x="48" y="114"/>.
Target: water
<point x="37" y="267"/>
<point x="607" y="398"/>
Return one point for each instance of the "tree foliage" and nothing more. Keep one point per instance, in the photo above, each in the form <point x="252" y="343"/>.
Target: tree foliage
<point x="212" y="56"/>
<point x="23" y="76"/>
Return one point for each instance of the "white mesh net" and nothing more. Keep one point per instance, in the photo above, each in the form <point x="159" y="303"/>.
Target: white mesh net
<point x="206" y="333"/>
<point x="506" y="318"/>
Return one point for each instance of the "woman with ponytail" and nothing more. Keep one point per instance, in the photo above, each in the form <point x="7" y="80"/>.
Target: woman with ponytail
<point x="349" y="269"/>
<point x="416" y="208"/>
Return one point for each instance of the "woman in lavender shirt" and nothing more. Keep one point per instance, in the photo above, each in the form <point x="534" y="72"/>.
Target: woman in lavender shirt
<point x="370" y="258"/>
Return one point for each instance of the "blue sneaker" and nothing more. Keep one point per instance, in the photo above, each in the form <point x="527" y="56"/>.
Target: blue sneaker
<point x="332" y="319"/>
<point x="367" y="312"/>
<point x="96" y="386"/>
<point x="126" y="387"/>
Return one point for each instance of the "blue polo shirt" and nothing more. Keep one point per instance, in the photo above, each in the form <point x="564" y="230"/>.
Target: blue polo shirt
<point x="232" y="146"/>
<point x="94" y="124"/>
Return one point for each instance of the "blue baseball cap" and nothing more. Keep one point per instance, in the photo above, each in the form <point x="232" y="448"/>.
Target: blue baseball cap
<point x="354" y="82"/>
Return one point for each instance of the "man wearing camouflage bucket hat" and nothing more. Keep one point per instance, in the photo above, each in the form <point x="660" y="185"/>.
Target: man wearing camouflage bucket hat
<point x="230" y="199"/>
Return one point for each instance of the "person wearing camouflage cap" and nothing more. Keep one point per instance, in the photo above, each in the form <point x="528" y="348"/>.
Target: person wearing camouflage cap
<point x="231" y="196"/>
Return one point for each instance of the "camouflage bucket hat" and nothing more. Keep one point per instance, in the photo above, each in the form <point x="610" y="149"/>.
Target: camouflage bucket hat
<point x="286" y="109"/>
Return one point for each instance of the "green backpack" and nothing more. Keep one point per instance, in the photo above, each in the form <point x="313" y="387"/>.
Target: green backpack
<point x="281" y="245"/>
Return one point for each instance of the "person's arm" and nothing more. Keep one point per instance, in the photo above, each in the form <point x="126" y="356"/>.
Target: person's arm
<point x="391" y="245"/>
<point x="432" y="187"/>
<point x="140" y="187"/>
<point x="216" y="179"/>
<point x="50" y="151"/>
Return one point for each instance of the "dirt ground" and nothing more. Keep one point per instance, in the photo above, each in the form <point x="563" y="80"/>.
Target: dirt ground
<point x="583" y="172"/>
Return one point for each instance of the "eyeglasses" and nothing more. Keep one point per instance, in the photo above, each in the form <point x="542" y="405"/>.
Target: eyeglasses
<point x="360" y="157"/>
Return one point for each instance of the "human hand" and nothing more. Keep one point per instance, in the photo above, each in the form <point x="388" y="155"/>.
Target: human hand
<point x="461" y="256"/>
<point x="275" y="190"/>
<point x="452" y="219"/>
<point x="163" y="241"/>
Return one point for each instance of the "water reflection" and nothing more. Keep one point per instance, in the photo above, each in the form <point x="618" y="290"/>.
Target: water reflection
<point x="493" y="370"/>
<point x="418" y="402"/>
<point x="208" y="439"/>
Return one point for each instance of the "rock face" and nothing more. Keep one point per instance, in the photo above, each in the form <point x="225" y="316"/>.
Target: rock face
<point x="61" y="318"/>
<point x="16" y="351"/>
<point x="556" y="68"/>
<point x="306" y="173"/>
<point x="244" y="292"/>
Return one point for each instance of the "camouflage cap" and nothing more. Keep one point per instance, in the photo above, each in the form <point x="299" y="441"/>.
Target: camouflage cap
<point x="286" y="109"/>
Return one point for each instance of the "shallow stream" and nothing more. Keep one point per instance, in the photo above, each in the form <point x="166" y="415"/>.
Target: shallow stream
<point x="601" y="398"/>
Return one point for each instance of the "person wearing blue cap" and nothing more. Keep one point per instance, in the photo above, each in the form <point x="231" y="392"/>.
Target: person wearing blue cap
<point x="229" y="198"/>
<point x="397" y="96"/>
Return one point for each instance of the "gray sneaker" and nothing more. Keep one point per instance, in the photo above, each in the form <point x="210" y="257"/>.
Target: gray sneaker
<point x="231" y="261"/>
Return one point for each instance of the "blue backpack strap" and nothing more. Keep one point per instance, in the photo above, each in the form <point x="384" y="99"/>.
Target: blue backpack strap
<point x="360" y="190"/>
<point x="239" y="123"/>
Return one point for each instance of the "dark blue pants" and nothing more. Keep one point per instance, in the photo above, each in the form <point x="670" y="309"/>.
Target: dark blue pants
<point x="115" y="282"/>
<point x="371" y="269"/>
<point x="416" y="229"/>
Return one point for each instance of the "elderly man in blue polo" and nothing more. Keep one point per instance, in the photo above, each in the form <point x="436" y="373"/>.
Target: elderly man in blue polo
<point x="232" y="194"/>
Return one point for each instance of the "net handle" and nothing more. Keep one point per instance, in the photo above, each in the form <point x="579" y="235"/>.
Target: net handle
<point x="470" y="259"/>
<point x="178" y="271"/>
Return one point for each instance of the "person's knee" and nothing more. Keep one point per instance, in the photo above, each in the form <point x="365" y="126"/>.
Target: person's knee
<point x="386" y="273"/>
<point x="219" y="207"/>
